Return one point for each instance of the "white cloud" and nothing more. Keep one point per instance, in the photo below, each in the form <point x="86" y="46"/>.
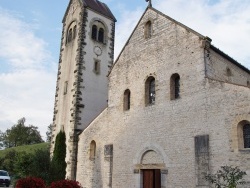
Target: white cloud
<point x="19" y="46"/>
<point x="28" y="84"/>
<point x="125" y="26"/>
<point x="227" y="23"/>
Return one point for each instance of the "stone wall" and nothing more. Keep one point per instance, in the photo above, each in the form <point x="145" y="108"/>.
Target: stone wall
<point x="81" y="94"/>
<point x="64" y="101"/>
<point x="164" y="133"/>
<point x="221" y="69"/>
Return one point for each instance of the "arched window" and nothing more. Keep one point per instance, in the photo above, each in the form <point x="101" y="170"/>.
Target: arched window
<point x="97" y="66"/>
<point x="148" y="30"/>
<point x="126" y="100"/>
<point x="246" y="135"/>
<point x="71" y="33"/>
<point x="74" y="32"/>
<point x="98" y="31"/>
<point x="94" y="32"/>
<point x="69" y="36"/>
<point x="175" y="86"/>
<point x="92" y="152"/>
<point x="101" y="35"/>
<point x="150" y="91"/>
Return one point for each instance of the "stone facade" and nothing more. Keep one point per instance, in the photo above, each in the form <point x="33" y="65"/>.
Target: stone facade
<point x="183" y="138"/>
<point x="82" y="83"/>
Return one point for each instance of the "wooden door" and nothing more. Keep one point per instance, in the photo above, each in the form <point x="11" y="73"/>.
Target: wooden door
<point x="152" y="178"/>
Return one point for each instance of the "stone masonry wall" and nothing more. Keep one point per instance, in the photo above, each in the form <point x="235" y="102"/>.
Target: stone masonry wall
<point x="169" y="128"/>
<point x="221" y="69"/>
<point x="64" y="101"/>
<point x="86" y="92"/>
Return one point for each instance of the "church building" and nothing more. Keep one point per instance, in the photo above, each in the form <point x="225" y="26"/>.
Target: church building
<point x="169" y="110"/>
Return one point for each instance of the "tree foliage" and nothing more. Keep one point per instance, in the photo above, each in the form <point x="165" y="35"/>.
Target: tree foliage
<point x="58" y="164"/>
<point x="1" y="141"/>
<point x="19" y="135"/>
<point x="7" y="162"/>
<point x="40" y="166"/>
<point x="23" y="164"/>
<point x="49" y="133"/>
<point x="227" y="177"/>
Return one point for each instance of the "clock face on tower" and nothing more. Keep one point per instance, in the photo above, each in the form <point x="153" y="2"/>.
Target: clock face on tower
<point x="98" y="50"/>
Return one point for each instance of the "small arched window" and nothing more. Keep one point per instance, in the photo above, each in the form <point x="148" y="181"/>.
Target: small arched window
<point x="101" y="35"/>
<point x="246" y="135"/>
<point x="148" y="30"/>
<point x="98" y="31"/>
<point x="97" y="67"/>
<point x="92" y="152"/>
<point x="150" y="91"/>
<point x="94" y="32"/>
<point x="175" y="86"/>
<point x="69" y="35"/>
<point x="126" y="100"/>
<point x="74" y="32"/>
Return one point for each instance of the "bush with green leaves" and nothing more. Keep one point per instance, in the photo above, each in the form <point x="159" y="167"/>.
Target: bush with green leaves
<point x="7" y="162"/>
<point x="227" y="177"/>
<point x="40" y="166"/>
<point x="22" y="164"/>
<point x="58" y="164"/>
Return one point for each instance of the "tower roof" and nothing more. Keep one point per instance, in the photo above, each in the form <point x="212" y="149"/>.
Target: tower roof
<point x="99" y="7"/>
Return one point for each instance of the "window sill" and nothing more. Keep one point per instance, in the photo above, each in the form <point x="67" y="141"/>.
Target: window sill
<point x="244" y="150"/>
<point x="100" y="42"/>
<point x="148" y="105"/>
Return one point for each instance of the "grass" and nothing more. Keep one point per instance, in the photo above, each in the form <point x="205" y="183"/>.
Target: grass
<point x="26" y="148"/>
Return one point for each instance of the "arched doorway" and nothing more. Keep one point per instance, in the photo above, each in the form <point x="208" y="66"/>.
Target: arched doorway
<point x="151" y="163"/>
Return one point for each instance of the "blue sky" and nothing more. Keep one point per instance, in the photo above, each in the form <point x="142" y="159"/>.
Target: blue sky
<point x="30" y="33"/>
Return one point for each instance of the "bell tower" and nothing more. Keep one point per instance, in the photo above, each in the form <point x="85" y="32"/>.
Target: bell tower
<point x="86" y="56"/>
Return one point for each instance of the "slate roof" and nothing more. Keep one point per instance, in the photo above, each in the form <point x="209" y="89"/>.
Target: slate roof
<point x="100" y="7"/>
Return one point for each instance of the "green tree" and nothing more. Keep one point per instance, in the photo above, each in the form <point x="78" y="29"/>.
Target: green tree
<point x="40" y="166"/>
<point x="58" y="164"/>
<point x="227" y="177"/>
<point x="49" y="133"/>
<point x="22" y="164"/>
<point x="20" y="134"/>
<point x="7" y="162"/>
<point x="1" y="140"/>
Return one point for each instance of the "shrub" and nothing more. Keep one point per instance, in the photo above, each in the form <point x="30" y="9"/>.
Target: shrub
<point x="40" y="165"/>
<point x="58" y="164"/>
<point x="227" y="177"/>
<point x="30" y="182"/>
<point x="65" y="183"/>
<point x="22" y="164"/>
